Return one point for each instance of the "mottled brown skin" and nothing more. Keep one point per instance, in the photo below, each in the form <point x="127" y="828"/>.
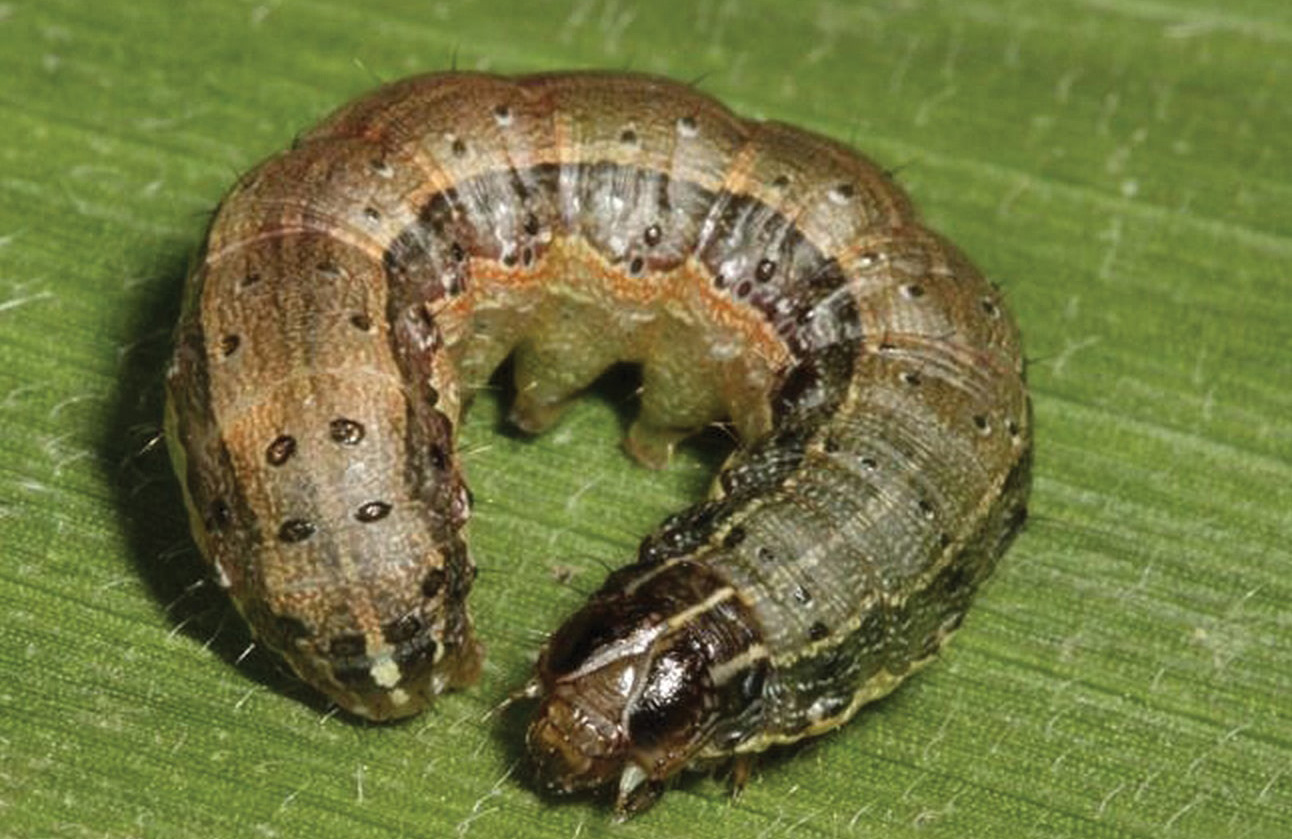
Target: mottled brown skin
<point x="381" y="269"/>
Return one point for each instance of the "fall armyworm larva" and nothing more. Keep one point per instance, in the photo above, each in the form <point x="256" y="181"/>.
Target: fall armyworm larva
<point x="351" y="286"/>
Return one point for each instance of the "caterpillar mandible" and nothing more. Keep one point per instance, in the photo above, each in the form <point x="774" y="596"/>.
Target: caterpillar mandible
<point x="422" y="234"/>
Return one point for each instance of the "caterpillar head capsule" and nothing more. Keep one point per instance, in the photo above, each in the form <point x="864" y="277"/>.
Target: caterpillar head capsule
<point x="621" y="702"/>
<point x="632" y="688"/>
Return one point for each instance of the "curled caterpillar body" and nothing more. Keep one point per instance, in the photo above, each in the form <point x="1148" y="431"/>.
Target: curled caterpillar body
<point x="352" y="288"/>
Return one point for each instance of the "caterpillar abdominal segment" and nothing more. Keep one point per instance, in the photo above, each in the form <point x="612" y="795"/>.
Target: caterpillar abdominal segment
<point x="349" y="289"/>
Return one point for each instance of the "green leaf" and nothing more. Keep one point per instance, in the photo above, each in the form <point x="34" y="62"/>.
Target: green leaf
<point x="1122" y="167"/>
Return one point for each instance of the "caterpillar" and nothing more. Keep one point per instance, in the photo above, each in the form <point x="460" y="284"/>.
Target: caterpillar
<point x="353" y="288"/>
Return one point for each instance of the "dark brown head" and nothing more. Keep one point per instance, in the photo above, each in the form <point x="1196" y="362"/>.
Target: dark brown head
<point x="626" y="695"/>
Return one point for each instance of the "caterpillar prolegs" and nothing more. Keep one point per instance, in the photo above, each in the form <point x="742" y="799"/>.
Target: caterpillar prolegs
<point x="424" y="233"/>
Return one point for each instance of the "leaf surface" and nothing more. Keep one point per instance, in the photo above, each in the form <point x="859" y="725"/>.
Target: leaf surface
<point x="1120" y="166"/>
